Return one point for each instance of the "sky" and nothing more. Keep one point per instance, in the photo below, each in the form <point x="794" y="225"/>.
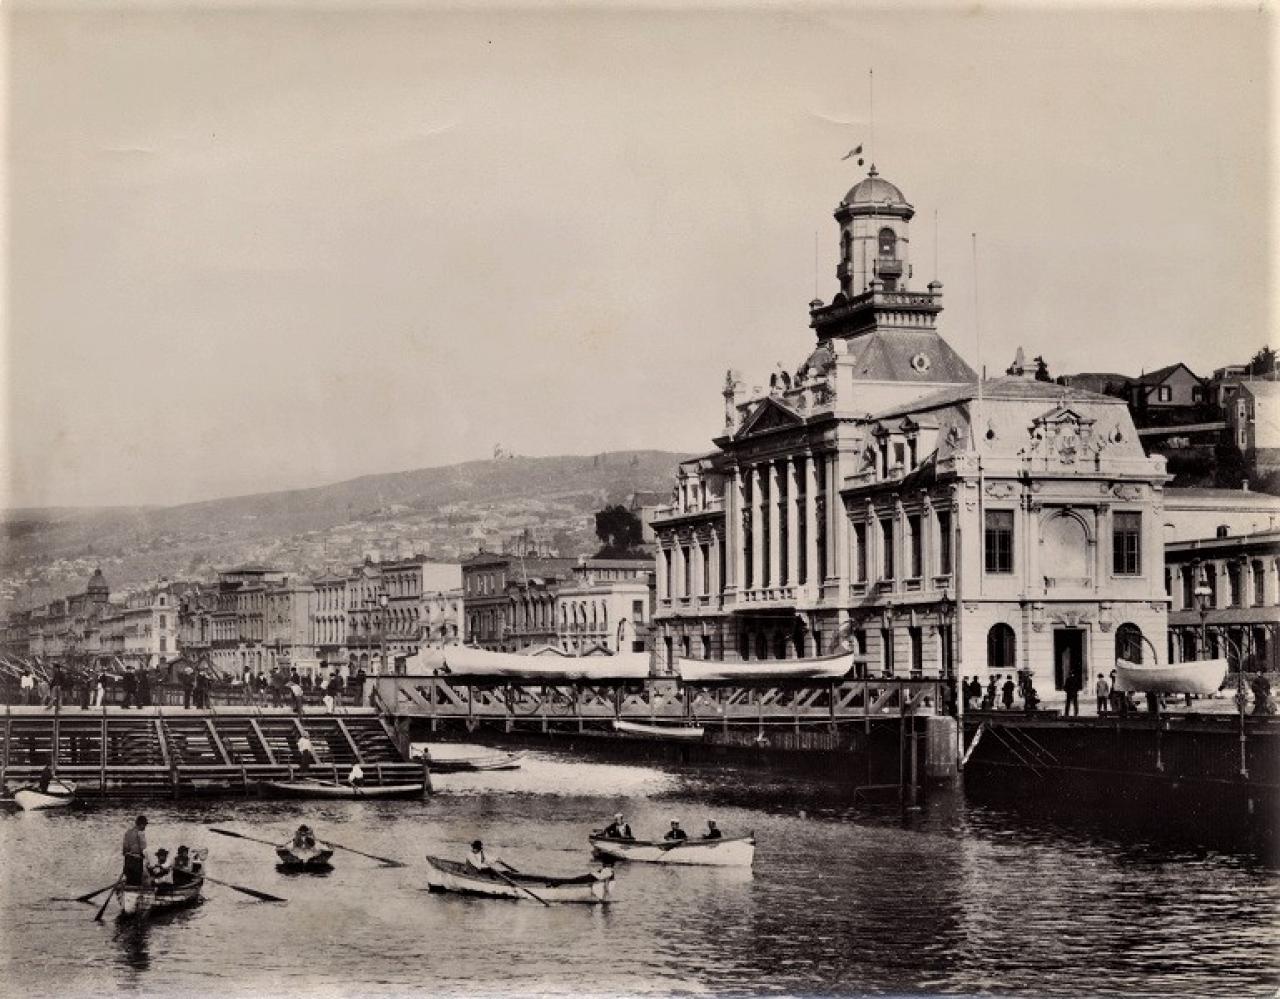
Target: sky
<point x="256" y="249"/>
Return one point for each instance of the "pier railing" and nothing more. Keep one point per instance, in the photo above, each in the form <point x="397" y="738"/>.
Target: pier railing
<point x="525" y="702"/>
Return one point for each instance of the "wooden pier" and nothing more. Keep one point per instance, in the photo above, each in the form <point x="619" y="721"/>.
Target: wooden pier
<point x="176" y="752"/>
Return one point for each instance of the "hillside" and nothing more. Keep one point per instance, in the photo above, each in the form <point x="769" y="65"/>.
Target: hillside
<point x="446" y="512"/>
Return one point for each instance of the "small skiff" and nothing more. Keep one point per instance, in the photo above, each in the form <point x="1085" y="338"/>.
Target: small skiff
<point x="1202" y="676"/>
<point x="322" y="789"/>
<point x="660" y="731"/>
<point x="833" y="667"/>
<point x="735" y="851"/>
<point x="304" y="859"/>
<point x="138" y="902"/>
<point x="59" y="795"/>
<point x="451" y="876"/>
<point x="468" y="764"/>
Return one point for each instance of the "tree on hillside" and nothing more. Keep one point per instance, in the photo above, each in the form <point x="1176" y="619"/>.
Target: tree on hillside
<point x="1042" y="370"/>
<point x="618" y="529"/>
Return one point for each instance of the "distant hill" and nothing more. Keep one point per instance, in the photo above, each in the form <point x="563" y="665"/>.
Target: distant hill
<point x="445" y="512"/>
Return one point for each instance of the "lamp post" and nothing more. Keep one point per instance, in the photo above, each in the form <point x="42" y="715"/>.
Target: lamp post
<point x="1203" y="595"/>
<point x="383" y="600"/>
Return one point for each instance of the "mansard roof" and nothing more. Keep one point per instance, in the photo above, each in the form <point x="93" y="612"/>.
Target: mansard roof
<point x="907" y="356"/>
<point x="1009" y="389"/>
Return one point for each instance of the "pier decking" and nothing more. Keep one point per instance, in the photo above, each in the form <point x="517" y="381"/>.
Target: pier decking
<point x="118" y="752"/>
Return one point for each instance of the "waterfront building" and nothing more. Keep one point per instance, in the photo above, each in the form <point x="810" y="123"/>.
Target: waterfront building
<point x="329" y="622"/>
<point x="509" y="600"/>
<point x="288" y="635"/>
<point x="603" y="606"/>
<point x="878" y="498"/>
<point x="410" y="584"/>
<point x="143" y="631"/>
<point x="1192" y="512"/>
<point x="1236" y="611"/>
<point x="239" y="620"/>
<point x="443" y="620"/>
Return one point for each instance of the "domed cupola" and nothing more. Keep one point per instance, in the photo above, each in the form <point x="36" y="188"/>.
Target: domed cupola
<point x="874" y="236"/>
<point x="97" y="587"/>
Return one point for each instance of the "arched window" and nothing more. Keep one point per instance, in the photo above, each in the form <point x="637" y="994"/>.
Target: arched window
<point x="1129" y="643"/>
<point x="888" y="244"/>
<point x="1002" y="648"/>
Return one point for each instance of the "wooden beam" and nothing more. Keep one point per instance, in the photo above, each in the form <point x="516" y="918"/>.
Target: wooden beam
<point x="164" y="742"/>
<point x="266" y="746"/>
<point x="217" y="742"/>
<point x="355" y="749"/>
<point x="4" y="764"/>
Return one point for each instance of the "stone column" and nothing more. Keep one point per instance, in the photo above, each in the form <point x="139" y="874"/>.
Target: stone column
<point x="757" y="536"/>
<point x="793" y="523"/>
<point x="660" y="571"/>
<point x="810" y="522"/>
<point x="775" y="547"/>
<point x="737" y="562"/>
<point x="732" y="530"/>
<point x="714" y="583"/>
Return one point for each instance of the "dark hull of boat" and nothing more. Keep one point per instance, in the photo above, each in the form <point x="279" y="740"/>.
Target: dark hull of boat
<point x="307" y="864"/>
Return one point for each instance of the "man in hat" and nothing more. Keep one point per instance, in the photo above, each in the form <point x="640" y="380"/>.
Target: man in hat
<point x="675" y="832"/>
<point x="713" y="831"/>
<point x="617" y="829"/>
<point x="477" y="860"/>
<point x="135" y="851"/>
<point x="161" y="872"/>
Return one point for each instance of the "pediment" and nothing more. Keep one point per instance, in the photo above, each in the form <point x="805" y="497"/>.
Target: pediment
<point x="769" y="415"/>
<point x="1060" y="415"/>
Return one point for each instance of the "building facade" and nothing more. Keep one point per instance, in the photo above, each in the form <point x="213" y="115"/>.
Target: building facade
<point x="878" y="500"/>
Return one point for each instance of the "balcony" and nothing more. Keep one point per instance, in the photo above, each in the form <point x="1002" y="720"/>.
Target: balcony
<point x="888" y="268"/>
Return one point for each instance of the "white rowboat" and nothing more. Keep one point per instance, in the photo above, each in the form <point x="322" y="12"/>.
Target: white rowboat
<point x="1202" y="676"/>
<point x="320" y="789"/>
<point x="137" y="902"/>
<point x="660" y="731"/>
<point x="735" y="851"/>
<point x="464" y="661"/>
<point x="821" y="668"/>
<point x="451" y="876"/>
<point x="59" y="795"/>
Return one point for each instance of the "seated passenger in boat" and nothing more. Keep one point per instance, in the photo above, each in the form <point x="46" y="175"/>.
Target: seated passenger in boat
<point x="713" y="831"/>
<point x="161" y="872"/>
<point x="675" y="832"/>
<point x="304" y="838"/>
<point x="182" y="867"/>
<point x="617" y="829"/>
<point x="477" y="860"/>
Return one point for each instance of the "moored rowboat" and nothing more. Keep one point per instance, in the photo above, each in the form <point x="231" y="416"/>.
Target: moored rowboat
<point x="451" y="876"/>
<point x="467" y="764"/>
<point x="298" y="858"/>
<point x="137" y="901"/>
<point x="1202" y="676"/>
<point x="321" y="789"/>
<point x="730" y="851"/>
<point x="660" y="731"/>
<point x="59" y="795"/>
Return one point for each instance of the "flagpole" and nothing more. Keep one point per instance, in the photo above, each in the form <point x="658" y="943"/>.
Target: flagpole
<point x="977" y="323"/>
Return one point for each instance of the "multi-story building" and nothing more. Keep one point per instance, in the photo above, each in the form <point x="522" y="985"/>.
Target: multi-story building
<point x="1236" y="613"/>
<point x="143" y="631"/>
<point x="288" y="639"/>
<point x="1252" y="410"/>
<point x="604" y="606"/>
<point x="878" y="498"/>
<point x="329" y="622"/>
<point x="239" y="620"/>
<point x="410" y="584"/>
<point x="509" y="600"/>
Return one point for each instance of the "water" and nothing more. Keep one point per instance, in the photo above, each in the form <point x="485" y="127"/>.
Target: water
<point x="954" y="899"/>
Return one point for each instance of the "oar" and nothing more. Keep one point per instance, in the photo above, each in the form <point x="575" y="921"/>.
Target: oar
<point x="261" y="896"/>
<point x="387" y="861"/>
<point x="110" y="896"/>
<point x="519" y="887"/>
<point x="85" y="898"/>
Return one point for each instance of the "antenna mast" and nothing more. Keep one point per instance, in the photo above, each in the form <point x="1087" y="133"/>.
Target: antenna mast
<point x="977" y="322"/>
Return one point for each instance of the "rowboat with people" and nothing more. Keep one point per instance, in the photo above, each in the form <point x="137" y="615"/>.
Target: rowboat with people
<point x="727" y="851"/>
<point x="471" y="764"/>
<point x="142" y="901"/>
<point x="451" y="876"/>
<point x="56" y="794"/>
<point x="329" y="789"/>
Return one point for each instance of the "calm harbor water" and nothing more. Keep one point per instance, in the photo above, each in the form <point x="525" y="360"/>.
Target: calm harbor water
<point x="953" y="899"/>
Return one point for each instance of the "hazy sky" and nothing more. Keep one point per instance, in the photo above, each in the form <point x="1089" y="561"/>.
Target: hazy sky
<point x="254" y="250"/>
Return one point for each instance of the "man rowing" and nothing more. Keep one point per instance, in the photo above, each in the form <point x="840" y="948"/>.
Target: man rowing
<point x="675" y="832"/>
<point x="477" y="860"/>
<point x="135" y="852"/>
<point x="617" y="829"/>
<point x="713" y="831"/>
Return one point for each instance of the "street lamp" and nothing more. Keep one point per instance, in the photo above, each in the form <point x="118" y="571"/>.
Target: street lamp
<point x="1203" y="595"/>
<point x="383" y="600"/>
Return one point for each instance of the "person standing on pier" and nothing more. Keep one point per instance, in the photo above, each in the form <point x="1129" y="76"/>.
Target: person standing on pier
<point x="129" y="684"/>
<point x="201" y="686"/>
<point x="186" y="677"/>
<point x="1103" y="691"/>
<point x="135" y="851"/>
<point x="1071" y="687"/>
<point x="144" y="688"/>
<point x="1006" y="693"/>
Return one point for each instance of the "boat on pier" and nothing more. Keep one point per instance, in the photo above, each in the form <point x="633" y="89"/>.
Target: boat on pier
<point x="452" y="876"/>
<point x="1199" y="676"/>
<point x="59" y="794"/>
<point x="691" y="732"/>
<point x="728" y="851"/>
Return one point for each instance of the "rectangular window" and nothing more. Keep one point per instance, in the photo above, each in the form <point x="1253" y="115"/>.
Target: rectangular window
<point x="164" y="644"/>
<point x="1165" y="393"/>
<point x="886" y="650"/>
<point x="1188" y="588"/>
<point x="1126" y="534"/>
<point x="917" y="651"/>
<point x="886" y="534"/>
<point x="860" y="552"/>
<point x="637" y="610"/>
<point x="706" y="568"/>
<point x="1233" y="583"/>
<point x="687" y="561"/>
<point x="999" y="541"/>
<point x="666" y="575"/>
<point x="917" y="549"/>
<point x="162" y="620"/>
<point x="899" y="455"/>
<point x="1259" y="585"/>
<point x="944" y="542"/>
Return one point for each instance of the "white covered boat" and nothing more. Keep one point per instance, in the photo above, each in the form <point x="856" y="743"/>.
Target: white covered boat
<point x="60" y="794"/>
<point x="730" y="851"/>
<point x="325" y="789"/>
<point x="821" y="668"/>
<point x="660" y="731"/>
<point x="463" y="661"/>
<point x="451" y="876"/>
<point x="1201" y="676"/>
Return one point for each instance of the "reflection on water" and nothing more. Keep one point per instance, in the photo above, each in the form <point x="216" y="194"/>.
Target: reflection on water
<point x="952" y="899"/>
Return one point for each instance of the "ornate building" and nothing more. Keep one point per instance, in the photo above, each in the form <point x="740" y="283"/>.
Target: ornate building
<point x="878" y="497"/>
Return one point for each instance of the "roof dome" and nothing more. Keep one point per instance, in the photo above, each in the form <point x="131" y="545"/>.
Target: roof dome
<point x="874" y="190"/>
<point x="97" y="582"/>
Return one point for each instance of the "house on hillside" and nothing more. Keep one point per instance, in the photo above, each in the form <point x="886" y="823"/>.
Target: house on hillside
<point x="1174" y="392"/>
